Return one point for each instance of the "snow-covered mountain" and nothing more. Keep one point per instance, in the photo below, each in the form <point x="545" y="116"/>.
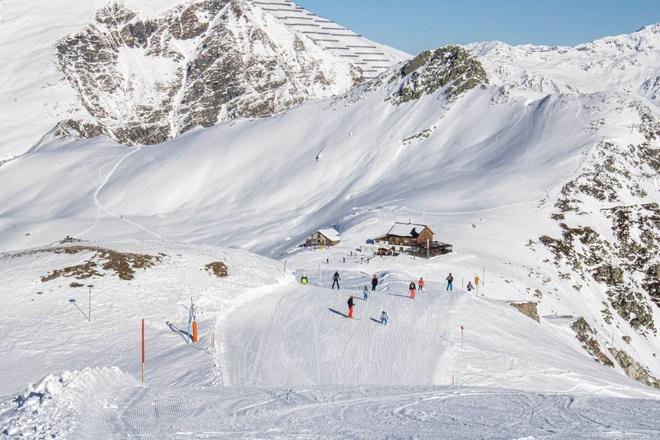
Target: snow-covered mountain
<point x="625" y="63"/>
<point x="541" y="165"/>
<point x="143" y="79"/>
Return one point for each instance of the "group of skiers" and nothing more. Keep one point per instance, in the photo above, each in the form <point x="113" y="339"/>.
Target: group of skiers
<point x="413" y="289"/>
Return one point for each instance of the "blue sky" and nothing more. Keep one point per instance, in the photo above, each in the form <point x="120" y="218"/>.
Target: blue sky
<point x="415" y="25"/>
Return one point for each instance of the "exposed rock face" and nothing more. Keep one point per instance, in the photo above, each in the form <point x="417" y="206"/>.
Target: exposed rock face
<point x="623" y="258"/>
<point x="144" y="81"/>
<point x="634" y="370"/>
<point x="610" y="239"/>
<point x="587" y="337"/>
<point x="528" y="309"/>
<point x="452" y="68"/>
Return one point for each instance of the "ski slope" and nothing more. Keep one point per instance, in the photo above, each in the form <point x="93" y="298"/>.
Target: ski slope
<point x="275" y="362"/>
<point x="302" y="336"/>
<point x="87" y="409"/>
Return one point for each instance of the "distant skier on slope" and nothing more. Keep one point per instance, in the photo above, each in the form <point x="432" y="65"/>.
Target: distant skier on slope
<point x="365" y="293"/>
<point x="470" y="287"/>
<point x="374" y="283"/>
<point x="384" y="318"/>
<point x="335" y="280"/>
<point x="413" y="289"/>
<point x="351" y="303"/>
<point x="450" y="282"/>
<point x="421" y="284"/>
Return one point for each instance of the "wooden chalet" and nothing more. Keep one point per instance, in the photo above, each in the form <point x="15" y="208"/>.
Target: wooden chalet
<point x="325" y="237"/>
<point x="408" y="234"/>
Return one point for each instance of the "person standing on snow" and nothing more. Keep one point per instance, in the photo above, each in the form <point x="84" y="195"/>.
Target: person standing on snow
<point x="470" y="287"/>
<point x="374" y="283"/>
<point x="421" y="284"/>
<point x="384" y="318"/>
<point x="365" y="293"/>
<point x="335" y="280"/>
<point x="351" y="303"/>
<point x="450" y="282"/>
<point x="412" y="289"/>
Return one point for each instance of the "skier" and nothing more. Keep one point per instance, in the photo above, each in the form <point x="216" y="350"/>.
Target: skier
<point x="303" y="280"/>
<point x="421" y="284"/>
<point x="335" y="280"/>
<point x="384" y="318"/>
<point x="365" y="293"/>
<point x="374" y="283"/>
<point x="350" y="307"/>
<point x="470" y="287"/>
<point x="450" y="282"/>
<point x="412" y="289"/>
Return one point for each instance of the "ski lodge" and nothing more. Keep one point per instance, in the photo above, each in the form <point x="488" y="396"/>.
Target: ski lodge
<point x="408" y="234"/>
<point x="325" y="237"/>
<point x="411" y="238"/>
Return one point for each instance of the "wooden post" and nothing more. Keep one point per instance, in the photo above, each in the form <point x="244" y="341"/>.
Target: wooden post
<point x="89" y="303"/>
<point x="143" y="351"/>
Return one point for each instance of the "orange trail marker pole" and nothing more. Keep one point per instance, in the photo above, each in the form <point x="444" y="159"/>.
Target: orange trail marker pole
<point x="195" y="335"/>
<point x="143" y="351"/>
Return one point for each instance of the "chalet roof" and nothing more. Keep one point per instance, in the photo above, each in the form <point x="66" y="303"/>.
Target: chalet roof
<point x="408" y="230"/>
<point x="330" y="234"/>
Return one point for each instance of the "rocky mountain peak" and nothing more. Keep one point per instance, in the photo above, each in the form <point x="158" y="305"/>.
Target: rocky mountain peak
<point x="143" y="81"/>
<point x="452" y="68"/>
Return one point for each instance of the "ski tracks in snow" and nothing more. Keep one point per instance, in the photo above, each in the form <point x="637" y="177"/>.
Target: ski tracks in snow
<point x="100" y="207"/>
<point x="380" y="412"/>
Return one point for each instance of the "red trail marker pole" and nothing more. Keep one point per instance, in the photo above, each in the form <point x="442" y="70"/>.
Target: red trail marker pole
<point x="143" y="351"/>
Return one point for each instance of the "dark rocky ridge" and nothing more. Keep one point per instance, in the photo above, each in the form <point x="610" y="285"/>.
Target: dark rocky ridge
<point x="234" y="70"/>
<point x="624" y="257"/>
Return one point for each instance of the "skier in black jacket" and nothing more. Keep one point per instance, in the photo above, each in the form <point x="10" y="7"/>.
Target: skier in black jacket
<point x="374" y="283"/>
<point x="413" y="289"/>
<point x="335" y="280"/>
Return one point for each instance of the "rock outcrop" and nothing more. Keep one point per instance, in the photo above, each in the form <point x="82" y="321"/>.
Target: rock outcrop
<point x="143" y="81"/>
<point x="451" y="68"/>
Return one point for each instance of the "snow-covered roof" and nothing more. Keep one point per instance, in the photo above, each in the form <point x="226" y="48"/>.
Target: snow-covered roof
<point x="330" y="234"/>
<point x="406" y="229"/>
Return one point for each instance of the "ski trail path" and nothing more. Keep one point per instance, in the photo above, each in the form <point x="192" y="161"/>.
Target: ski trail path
<point x="298" y="336"/>
<point x="100" y="207"/>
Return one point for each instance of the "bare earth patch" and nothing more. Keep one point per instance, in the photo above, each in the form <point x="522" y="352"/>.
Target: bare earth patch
<point x="123" y="264"/>
<point x="528" y="309"/>
<point x="218" y="268"/>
